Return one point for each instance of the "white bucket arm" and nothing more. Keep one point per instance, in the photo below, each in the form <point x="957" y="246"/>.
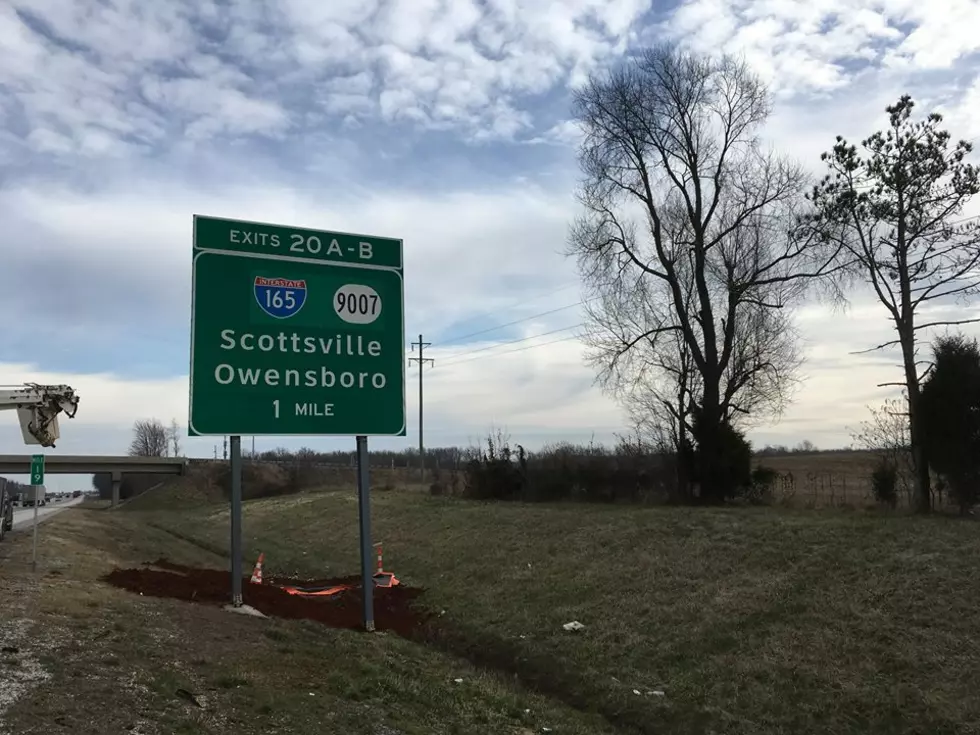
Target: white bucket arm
<point x="38" y="407"/>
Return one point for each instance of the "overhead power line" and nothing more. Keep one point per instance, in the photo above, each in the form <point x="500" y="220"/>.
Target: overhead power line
<point x="453" y="358"/>
<point x="516" y="321"/>
<point x="518" y="302"/>
<point x="519" y="349"/>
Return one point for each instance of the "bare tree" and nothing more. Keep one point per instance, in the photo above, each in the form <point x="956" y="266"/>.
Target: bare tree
<point x="886" y="434"/>
<point x="685" y="245"/>
<point x="655" y="380"/>
<point x="894" y="213"/>
<point x="149" y="439"/>
<point x="173" y="437"/>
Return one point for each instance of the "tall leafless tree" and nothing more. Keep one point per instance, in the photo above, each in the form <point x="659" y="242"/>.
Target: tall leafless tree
<point x="173" y="438"/>
<point x="149" y="439"/>
<point x="685" y="244"/>
<point x="894" y="212"/>
<point x="655" y="380"/>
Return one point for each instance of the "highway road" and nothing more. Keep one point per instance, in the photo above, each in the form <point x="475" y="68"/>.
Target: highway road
<point x="24" y="517"/>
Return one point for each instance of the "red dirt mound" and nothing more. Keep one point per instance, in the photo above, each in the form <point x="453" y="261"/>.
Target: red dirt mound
<point x="393" y="606"/>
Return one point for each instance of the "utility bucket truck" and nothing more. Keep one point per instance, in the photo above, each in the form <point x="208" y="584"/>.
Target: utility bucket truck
<point x="38" y="407"/>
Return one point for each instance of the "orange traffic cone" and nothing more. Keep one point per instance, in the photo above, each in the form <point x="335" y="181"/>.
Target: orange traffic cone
<point x="257" y="572"/>
<point x="381" y="577"/>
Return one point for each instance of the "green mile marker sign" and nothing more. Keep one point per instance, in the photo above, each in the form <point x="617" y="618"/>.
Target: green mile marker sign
<point x="37" y="469"/>
<point x="295" y="332"/>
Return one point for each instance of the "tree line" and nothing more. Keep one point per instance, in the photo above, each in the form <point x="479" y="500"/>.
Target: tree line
<point x="150" y="440"/>
<point x="696" y="242"/>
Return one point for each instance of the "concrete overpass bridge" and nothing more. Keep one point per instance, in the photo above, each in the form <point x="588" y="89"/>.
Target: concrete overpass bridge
<point x="68" y="464"/>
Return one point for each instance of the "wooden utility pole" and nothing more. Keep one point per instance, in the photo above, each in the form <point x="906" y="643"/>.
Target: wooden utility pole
<point x="421" y="360"/>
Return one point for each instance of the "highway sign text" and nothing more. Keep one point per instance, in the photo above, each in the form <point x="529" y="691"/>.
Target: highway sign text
<point x="215" y="233"/>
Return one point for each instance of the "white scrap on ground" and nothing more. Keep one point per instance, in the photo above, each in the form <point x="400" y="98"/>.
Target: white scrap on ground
<point x="243" y="610"/>
<point x="573" y="626"/>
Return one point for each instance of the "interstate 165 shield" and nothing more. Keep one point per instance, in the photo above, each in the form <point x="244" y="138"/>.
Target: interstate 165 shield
<point x="280" y="297"/>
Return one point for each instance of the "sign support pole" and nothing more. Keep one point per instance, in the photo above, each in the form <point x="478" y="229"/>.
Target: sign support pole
<point x="37" y="482"/>
<point x="364" y="513"/>
<point x="35" y="491"/>
<point x="236" y="521"/>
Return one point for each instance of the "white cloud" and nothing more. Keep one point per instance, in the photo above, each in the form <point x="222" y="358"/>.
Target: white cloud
<point x="812" y="47"/>
<point x="166" y="100"/>
<point x="459" y="247"/>
<point x="463" y="66"/>
<point x="566" y="133"/>
<point x="963" y="116"/>
<point x="458" y="65"/>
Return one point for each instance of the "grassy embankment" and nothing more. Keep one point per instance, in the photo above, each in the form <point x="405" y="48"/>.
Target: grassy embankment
<point x="84" y="658"/>
<point x="748" y="620"/>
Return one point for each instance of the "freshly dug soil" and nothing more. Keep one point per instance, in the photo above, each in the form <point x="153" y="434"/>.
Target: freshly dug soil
<point x="393" y="606"/>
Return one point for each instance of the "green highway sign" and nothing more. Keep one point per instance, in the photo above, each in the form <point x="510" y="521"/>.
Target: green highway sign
<point x="37" y="469"/>
<point x="295" y="332"/>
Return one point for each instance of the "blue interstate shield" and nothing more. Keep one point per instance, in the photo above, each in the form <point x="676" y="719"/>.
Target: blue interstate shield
<point x="280" y="297"/>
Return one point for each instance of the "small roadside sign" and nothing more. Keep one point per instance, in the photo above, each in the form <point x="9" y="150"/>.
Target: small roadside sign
<point x="37" y="469"/>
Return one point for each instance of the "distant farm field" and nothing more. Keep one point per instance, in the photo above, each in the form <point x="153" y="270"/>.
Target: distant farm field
<point x="829" y="479"/>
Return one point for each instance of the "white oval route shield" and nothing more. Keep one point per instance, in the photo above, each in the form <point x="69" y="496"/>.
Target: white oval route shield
<point x="357" y="303"/>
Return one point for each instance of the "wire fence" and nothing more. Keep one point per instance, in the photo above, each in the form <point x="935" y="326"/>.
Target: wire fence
<point x="809" y="489"/>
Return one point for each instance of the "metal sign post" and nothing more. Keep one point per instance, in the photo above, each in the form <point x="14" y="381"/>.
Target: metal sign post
<point x="236" y="520"/>
<point x="34" y="489"/>
<point x="37" y="482"/>
<point x="364" y="515"/>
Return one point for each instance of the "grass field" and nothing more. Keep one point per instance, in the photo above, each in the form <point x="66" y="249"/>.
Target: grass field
<point x="756" y="620"/>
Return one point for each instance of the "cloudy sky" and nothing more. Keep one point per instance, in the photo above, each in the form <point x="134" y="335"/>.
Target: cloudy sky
<point x="442" y="122"/>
